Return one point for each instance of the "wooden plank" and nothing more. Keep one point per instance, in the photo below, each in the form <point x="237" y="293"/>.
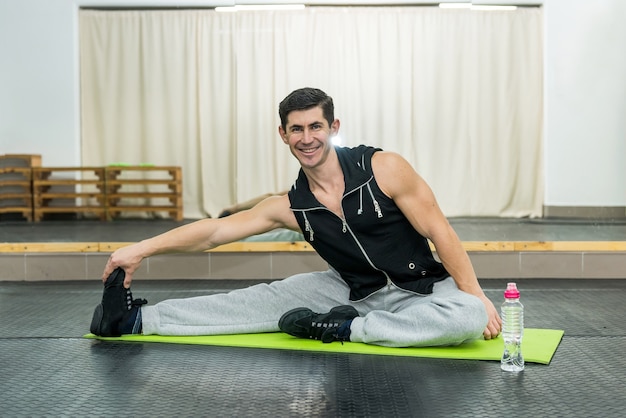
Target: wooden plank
<point x="66" y="182"/>
<point x="109" y="247"/>
<point x="584" y="246"/>
<point x="25" y="171"/>
<point x="235" y="247"/>
<point x="141" y="195"/>
<point x="75" y="195"/>
<point x="49" y="247"/>
<point x="303" y="246"/>
<point x="121" y="208"/>
<point x="69" y="209"/>
<point x="66" y="168"/>
<point x="39" y="211"/>
<point x="123" y="182"/>
<point x="484" y="246"/>
<point x="470" y="246"/>
<point x="26" y="211"/>
<point x="15" y="182"/>
<point x="120" y="168"/>
<point x="16" y="196"/>
<point x="488" y="245"/>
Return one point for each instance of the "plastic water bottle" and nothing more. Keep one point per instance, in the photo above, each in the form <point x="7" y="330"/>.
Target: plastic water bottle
<point x="512" y="330"/>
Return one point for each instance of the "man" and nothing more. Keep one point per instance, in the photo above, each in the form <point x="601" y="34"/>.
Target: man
<point x="366" y="212"/>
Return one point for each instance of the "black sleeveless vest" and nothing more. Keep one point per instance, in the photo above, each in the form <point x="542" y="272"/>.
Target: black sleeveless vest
<point x="375" y="245"/>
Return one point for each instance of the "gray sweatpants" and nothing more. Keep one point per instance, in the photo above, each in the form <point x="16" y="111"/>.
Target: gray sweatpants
<point x="390" y="317"/>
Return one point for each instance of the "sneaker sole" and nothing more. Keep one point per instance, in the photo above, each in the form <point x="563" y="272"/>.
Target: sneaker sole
<point x="96" y="320"/>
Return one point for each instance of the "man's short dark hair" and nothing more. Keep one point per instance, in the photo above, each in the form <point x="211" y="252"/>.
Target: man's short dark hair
<point x="304" y="99"/>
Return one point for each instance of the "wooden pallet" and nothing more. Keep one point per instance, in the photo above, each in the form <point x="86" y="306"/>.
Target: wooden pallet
<point x="16" y="194"/>
<point x="106" y="192"/>
<point x="149" y="189"/>
<point x="68" y="190"/>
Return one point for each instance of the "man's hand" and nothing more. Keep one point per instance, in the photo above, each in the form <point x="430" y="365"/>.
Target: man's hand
<point x="494" y="324"/>
<point x="127" y="258"/>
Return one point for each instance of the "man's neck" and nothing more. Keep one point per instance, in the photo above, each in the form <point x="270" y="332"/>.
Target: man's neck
<point x="327" y="178"/>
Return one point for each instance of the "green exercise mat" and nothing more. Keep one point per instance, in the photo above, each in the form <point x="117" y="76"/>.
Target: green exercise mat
<point x="539" y="345"/>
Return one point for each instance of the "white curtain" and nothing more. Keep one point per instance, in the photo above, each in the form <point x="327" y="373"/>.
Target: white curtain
<point x="457" y="92"/>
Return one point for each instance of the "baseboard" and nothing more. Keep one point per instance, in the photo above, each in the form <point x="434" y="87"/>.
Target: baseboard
<point x="585" y="212"/>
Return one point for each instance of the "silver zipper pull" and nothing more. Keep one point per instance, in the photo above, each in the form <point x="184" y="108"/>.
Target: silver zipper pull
<point x="307" y="228"/>
<point x="377" y="209"/>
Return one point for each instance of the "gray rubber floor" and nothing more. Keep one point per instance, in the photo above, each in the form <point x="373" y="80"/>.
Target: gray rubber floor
<point x="47" y="369"/>
<point x="468" y="229"/>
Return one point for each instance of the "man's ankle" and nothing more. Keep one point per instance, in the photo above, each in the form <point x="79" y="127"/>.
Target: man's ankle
<point x="133" y="325"/>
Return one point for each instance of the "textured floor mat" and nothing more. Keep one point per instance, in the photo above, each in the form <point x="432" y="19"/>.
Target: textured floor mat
<point x="539" y="345"/>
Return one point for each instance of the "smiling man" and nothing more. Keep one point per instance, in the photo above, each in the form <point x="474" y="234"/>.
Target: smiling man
<point x="366" y="212"/>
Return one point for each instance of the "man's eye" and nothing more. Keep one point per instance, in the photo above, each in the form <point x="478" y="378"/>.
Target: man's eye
<point x="296" y="129"/>
<point x="317" y="126"/>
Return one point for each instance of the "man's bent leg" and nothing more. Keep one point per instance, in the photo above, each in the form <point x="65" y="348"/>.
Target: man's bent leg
<point x="254" y="309"/>
<point x="396" y="318"/>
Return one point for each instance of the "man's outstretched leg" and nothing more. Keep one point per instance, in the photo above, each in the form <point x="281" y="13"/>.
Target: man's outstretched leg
<point x="253" y="309"/>
<point x="118" y="313"/>
<point x="248" y="310"/>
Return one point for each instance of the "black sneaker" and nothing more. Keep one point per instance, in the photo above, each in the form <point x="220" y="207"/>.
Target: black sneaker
<point x="328" y="327"/>
<point x="117" y="312"/>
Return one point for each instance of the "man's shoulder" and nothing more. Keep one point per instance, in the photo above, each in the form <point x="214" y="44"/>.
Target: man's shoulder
<point x="359" y="150"/>
<point x="361" y="154"/>
<point x="279" y="209"/>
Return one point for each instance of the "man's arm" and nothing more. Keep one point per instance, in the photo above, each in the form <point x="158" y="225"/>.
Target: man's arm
<point x="248" y="204"/>
<point x="398" y="180"/>
<point x="274" y="212"/>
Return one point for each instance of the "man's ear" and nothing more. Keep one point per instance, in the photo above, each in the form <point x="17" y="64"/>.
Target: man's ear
<point x="334" y="127"/>
<point x="282" y="133"/>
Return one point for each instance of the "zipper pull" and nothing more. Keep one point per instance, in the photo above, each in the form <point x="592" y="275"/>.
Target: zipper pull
<point x="307" y="228"/>
<point x="377" y="209"/>
<point x="344" y="226"/>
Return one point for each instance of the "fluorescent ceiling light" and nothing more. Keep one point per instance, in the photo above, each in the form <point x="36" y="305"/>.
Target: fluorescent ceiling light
<point x="455" y="5"/>
<point x="246" y="7"/>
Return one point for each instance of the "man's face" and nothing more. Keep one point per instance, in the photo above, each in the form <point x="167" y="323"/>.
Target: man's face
<point x="308" y="135"/>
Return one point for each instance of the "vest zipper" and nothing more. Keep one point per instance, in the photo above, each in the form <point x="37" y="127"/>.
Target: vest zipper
<point x="346" y="228"/>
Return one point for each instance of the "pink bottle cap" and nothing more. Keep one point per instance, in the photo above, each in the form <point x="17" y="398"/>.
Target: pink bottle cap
<point x="511" y="291"/>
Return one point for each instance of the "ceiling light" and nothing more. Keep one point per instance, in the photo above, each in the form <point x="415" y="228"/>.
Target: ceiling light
<point x="475" y="6"/>
<point x="246" y="7"/>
